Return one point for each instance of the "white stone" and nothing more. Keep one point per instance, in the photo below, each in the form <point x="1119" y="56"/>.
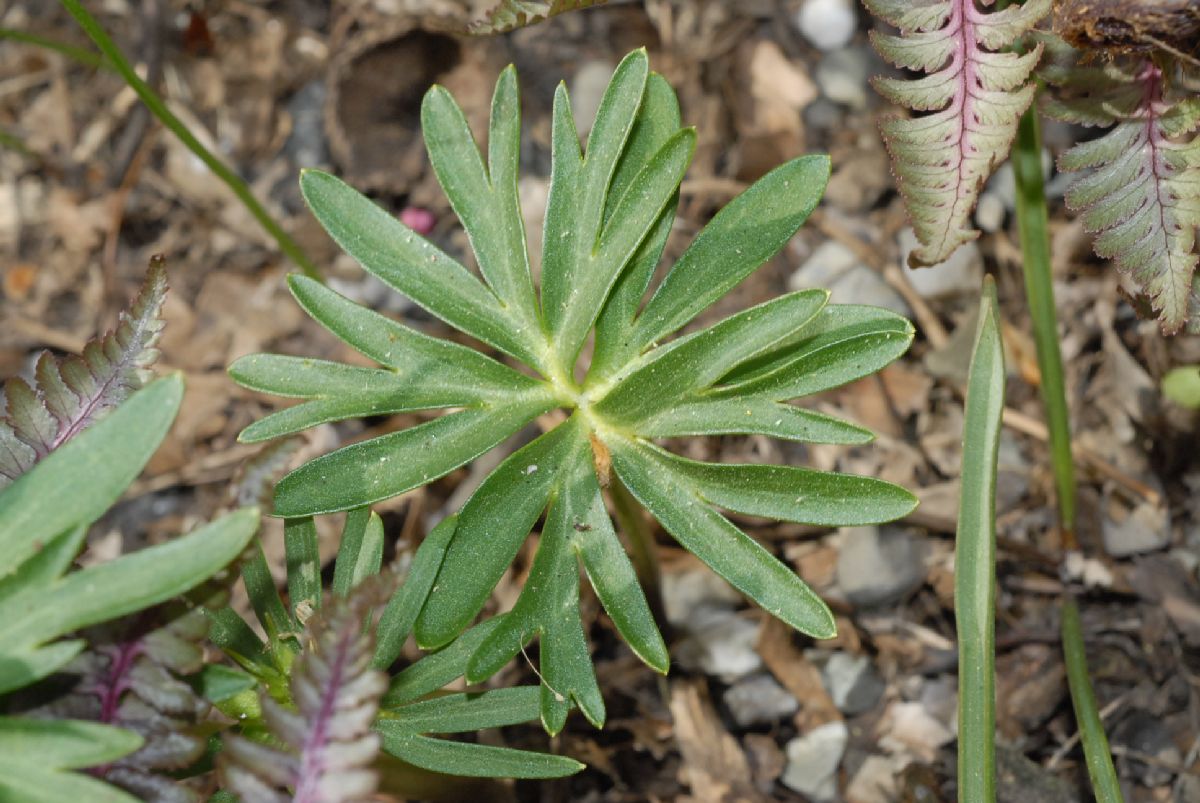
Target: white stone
<point x="835" y="268"/>
<point x="759" y="700"/>
<point x="842" y="77"/>
<point x="827" y="24"/>
<point x="1145" y="528"/>
<point x="722" y="645"/>
<point x="813" y="759"/>
<point x="851" y="682"/>
<point x="989" y="214"/>
<point x="587" y="89"/>
<point x="878" y="567"/>
<point x="689" y="597"/>
<point x="877" y="780"/>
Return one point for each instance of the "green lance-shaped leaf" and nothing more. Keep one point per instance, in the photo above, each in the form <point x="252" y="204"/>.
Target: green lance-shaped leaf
<point x="404" y="260"/>
<point x="398" y="618"/>
<point x="845" y="342"/>
<point x="360" y="552"/>
<point x="303" y="555"/>
<point x="678" y="505"/>
<point x="117" y="588"/>
<point x="695" y="362"/>
<point x="974" y="93"/>
<point x="420" y="372"/>
<point x="485" y="196"/>
<point x="387" y="466"/>
<point x="802" y="495"/>
<point x="975" y="560"/>
<point x="577" y="528"/>
<point x="584" y="250"/>
<point x="658" y="119"/>
<point x="35" y="756"/>
<point x="491" y="528"/>
<point x="46" y="566"/>
<point x="440" y="668"/>
<point x="77" y="482"/>
<point x="706" y="415"/>
<point x="402" y="729"/>
<point x="748" y="231"/>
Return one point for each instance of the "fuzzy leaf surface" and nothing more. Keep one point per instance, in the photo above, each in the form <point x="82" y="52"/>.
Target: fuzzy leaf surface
<point x="327" y="745"/>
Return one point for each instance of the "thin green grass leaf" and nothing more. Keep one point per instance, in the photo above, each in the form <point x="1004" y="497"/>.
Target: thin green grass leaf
<point x="1105" y="785"/>
<point x="975" y="560"/>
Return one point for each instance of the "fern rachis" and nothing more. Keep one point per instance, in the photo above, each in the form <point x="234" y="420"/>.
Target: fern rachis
<point x="1142" y="196"/>
<point x="974" y="93"/>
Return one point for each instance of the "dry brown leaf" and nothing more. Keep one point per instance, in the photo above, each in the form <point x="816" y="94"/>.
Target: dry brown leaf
<point x="714" y="766"/>
<point x="797" y="674"/>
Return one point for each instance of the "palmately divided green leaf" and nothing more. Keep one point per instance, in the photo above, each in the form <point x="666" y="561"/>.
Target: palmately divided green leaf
<point x="609" y="211"/>
<point x="35" y="756"/>
<point x="69" y="395"/>
<point x="1141" y="197"/>
<point x="975" y="91"/>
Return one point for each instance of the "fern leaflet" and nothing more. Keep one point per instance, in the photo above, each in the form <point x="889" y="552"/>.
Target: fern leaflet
<point x="974" y="92"/>
<point x="1142" y="196"/>
<point x="68" y="396"/>
<point x="327" y="742"/>
<point x="511" y="14"/>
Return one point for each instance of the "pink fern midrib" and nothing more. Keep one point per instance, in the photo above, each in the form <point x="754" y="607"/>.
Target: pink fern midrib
<point x="312" y="753"/>
<point x="113" y="687"/>
<point x="961" y="26"/>
<point x="1152" y="99"/>
<point x="91" y="406"/>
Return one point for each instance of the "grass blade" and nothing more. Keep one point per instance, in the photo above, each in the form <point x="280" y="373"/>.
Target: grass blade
<point x="1091" y="730"/>
<point x="1039" y="292"/>
<point x="159" y="109"/>
<point x="975" y="561"/>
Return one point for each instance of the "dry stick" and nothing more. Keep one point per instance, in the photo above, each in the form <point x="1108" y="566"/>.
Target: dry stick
<point x="928" y="320"/>
<point x="1066" y="747"/>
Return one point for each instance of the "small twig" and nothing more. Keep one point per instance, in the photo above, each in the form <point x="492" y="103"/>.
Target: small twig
<point x="891" y="272"/>
<point x="130" y="142"/>
<point x="1069" y="745"/>
<point x="1034" y="428"/>
<point x="1174" y="51"/>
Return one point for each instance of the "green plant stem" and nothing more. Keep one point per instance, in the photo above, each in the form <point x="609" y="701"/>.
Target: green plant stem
<point x="975" y="560"/>
<point x="1039" y="290"/>
<point x="156" y="105"/>
<point x="632" y="521"/>
<point x="1091" y="730"/>
<point x="79" y="54"/>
